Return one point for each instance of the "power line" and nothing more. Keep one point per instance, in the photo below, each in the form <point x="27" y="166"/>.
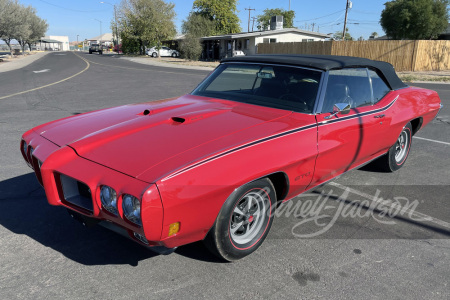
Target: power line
<point x="322" y="16"/>
<point x="71" y="9"/>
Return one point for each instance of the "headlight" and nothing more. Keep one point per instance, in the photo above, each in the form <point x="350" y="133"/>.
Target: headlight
<point x="132" y="209"/>
<point x="24" y="148"/>
<point x="109" y="199"/>
<point x="31" y="153"/>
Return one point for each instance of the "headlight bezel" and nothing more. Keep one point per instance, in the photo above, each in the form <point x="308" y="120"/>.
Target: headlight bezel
<point x="109" y="199"/>
<point x="131" y="207"/>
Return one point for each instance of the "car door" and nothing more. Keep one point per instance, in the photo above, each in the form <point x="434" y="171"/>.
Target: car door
<point x="348" y="139"/>
<point x="165" y="51"/>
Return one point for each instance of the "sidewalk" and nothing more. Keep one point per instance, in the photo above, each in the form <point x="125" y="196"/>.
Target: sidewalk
<point x="14" y="63"/>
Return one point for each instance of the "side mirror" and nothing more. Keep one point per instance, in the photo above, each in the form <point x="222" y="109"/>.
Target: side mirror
<point x="343" y="108"/>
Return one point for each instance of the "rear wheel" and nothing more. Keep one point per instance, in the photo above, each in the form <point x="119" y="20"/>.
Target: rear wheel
<point x="398" y="153"/>
<point x="244" y="221"/>
<point x="154" y="54"/>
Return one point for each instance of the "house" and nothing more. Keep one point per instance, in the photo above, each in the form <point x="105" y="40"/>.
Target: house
<point x="106" y="39"/>
<point x="246" y="43"/>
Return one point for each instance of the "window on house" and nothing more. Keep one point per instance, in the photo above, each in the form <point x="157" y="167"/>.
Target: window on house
<point x="247" y="44"/>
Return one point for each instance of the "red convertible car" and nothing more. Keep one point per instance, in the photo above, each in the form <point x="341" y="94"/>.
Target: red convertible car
<point x="212" y="165"/>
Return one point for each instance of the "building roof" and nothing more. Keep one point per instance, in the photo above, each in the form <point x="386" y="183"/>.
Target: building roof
<point x="325" y="63"/>
<point x="44" y="40"/>
<point x="103" y="37"/>
<point x="264" y="33"/>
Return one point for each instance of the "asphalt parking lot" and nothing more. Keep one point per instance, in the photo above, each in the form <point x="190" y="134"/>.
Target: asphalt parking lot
<point x="370" y="234"/>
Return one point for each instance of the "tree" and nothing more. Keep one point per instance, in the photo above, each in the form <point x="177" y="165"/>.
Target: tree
<point x="9" y="20"/>
<point x="264" y="19"/>
<point x="338" y="35"/>
<point x="411" y="19"/>
<point x="194" y="27"/>
<point x="145" y="23"/>
<point x="374" y="34"/>
<point x="23" y="31"/>
<point x="38" y="29"/>
<point x="198" y="25"/>
<point x="20" y="23"/>
<point x="221" y="12"/>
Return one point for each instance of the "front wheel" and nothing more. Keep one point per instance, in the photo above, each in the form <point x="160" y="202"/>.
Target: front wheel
<point x="174" y="55"/>
<point x="154" y="54"/>
<point x="398" y="153"/>
<point x="244" y="221"/>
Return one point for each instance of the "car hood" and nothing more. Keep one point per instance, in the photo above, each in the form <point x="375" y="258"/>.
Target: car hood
<point x="163" y="136"/>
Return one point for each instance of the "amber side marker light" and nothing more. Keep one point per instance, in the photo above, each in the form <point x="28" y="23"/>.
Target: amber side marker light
<point x="174" y="228"/>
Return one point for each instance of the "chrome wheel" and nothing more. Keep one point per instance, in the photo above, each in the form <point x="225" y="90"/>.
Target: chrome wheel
<point x="401" y="147"/>
<point x="249" y="216"/>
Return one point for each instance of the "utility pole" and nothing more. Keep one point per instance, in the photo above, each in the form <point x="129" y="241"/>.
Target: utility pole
<point x="349" y="5"/>
<point x="313" y="24"/>
<point x="289" y="4"/>
<point x="100" y="30"/>
<point x="116" y="34"/>
<point x="249" y="10"/>
<point x="253" y="23"/>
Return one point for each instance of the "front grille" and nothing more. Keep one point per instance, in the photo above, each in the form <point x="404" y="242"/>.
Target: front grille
<point x="76" y="193"/>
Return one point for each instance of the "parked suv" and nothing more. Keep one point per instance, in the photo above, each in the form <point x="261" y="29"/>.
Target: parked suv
<point x="96" y="48"/>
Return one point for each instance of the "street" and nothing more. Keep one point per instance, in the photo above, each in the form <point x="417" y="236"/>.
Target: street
<point x="354" y="246"/>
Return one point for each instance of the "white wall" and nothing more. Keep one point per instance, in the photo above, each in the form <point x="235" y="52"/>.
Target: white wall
<point x="287" y="37"/>
<point x="63" y="39"/>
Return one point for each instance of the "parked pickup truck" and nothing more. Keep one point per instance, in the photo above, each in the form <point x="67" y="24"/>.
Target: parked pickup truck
<point x="96" y="48"/>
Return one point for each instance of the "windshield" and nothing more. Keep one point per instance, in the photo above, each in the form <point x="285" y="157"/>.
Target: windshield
<point x="273" y="86"/>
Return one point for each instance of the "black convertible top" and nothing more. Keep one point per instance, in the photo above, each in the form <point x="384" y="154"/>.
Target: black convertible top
<point x="325" y="63"/>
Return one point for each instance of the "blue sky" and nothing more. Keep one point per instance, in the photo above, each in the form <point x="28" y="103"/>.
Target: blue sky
<point x="72" y="18"/>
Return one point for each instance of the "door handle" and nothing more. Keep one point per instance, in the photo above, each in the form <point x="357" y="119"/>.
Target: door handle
<point x="379" y="116"/>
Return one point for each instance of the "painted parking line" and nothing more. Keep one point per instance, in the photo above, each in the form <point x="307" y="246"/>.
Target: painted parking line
<point x="429" y="140"/>
<point x="51" y="84"/>
<point x="404" y="210"/>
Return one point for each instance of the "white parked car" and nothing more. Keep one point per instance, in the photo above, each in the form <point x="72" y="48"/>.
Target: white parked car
<point x="163" y="51"/>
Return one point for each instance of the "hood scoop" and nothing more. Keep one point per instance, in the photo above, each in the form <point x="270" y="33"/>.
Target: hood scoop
<point x="178" y="120"/>
<point x="197" y="116"/>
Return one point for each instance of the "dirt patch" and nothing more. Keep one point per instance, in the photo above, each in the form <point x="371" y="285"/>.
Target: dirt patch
<point x="431" y="76"/>
<point x="181" y="61"/>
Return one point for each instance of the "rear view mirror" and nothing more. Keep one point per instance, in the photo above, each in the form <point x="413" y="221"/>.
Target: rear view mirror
<point x="264" y="75"/>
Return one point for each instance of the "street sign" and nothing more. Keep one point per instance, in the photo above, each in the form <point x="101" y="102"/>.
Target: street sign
<point x="80" y="46"/>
